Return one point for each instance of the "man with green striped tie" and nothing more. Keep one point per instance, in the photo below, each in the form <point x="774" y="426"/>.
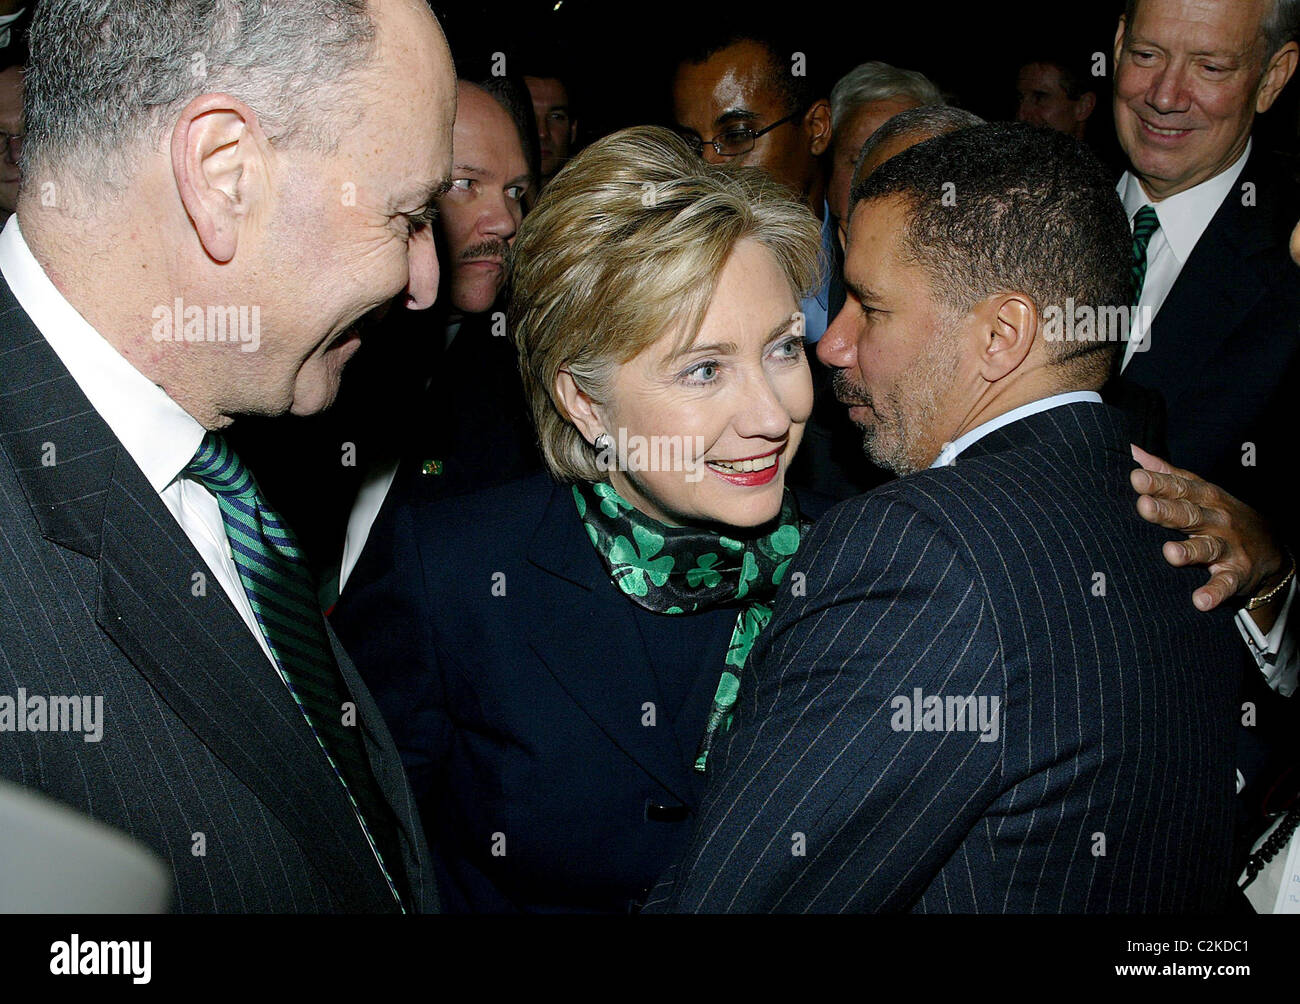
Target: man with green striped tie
<point x="211" y="236"/>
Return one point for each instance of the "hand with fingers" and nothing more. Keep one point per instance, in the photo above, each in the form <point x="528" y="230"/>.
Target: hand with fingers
<point x="1244" y="558"/>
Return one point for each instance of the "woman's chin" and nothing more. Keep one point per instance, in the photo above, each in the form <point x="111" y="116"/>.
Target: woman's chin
<point x="763" y="506"/>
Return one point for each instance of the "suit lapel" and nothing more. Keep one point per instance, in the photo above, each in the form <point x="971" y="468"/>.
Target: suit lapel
<point x="194" y="650"/>
<point x="605" y="668"/>
<point x="1223" y="271"/>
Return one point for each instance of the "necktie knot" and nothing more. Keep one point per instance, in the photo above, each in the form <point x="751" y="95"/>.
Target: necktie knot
<point x="216" y="466"/>
<point x="1145" y="223"/>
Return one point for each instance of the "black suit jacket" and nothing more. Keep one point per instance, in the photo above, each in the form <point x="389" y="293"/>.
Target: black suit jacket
<point x="1109" y="787"/>
<point x="1225" y="345"/>
<point x="203" y="748"/>
<point x="471" y="423"/>
<point x="549" y="724"/>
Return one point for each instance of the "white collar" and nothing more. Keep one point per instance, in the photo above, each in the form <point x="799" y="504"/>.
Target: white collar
<point x="948" y="455"/>
<point x="158" y="433"/>
<point x="1185" y="216"/>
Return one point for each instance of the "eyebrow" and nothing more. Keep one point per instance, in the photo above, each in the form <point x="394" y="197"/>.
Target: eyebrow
<point x="736" y="115"/>
<point x="731" y="348"/>
<point x="715" y="349"/>
<point x="1212" y="53"/>
<point x="860" y="292"/>
<point x="423" y="195"/>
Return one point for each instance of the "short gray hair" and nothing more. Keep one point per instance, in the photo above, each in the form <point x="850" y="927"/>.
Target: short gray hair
<point x="107" y="76"/>
<point x="876" y="81"/>
<point x="1281" y="24"/>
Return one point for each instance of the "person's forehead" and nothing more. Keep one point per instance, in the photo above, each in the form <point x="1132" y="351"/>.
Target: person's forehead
<point x="485" y="136"/>
<point x="869" y="116"/>
<point x="1201" y="26"/>
<point x="548" y="91"/>
<point x="1043" y="75"/>
<point x="874" y="228"/>
<point x="736" y="78"/>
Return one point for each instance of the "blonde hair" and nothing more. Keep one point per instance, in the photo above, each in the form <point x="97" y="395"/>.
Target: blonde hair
<point x="624" y="245"/>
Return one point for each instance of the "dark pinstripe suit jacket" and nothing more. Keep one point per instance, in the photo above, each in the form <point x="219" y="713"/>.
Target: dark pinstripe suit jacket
<point x="199" y="734"/>
<point x="1109" y="786"/>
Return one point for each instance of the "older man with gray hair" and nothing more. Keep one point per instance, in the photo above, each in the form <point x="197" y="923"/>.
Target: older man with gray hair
<point x="216" y="196"/>
<point x="861" y="101"/>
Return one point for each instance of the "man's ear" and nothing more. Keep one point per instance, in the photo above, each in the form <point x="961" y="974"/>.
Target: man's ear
<point x="218" y="153"/>
<point x="1280" y="69"/>
<point x="573" y="131"/>
<point x="578" y="407"/>
<point x="817" y="123"/>
<point x="1119" y="45"/>
<point x="1087" y="103"/>
<point x="1006" y="327"/>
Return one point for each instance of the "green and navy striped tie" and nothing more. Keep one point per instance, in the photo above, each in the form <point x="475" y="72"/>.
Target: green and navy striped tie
<point x="279" y="588"/>
<point x="1145" y="223"/>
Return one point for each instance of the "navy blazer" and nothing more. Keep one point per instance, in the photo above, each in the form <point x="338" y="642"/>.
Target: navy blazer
<point x="1021" y="574"/>
<point x="548" y="724"/>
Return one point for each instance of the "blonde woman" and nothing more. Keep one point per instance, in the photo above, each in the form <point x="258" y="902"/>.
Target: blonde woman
<point x="555" y="657"/>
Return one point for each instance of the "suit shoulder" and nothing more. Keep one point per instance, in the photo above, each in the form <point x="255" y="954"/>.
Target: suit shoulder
<point x="891" y="515"/>
<point x="494" y="521"/>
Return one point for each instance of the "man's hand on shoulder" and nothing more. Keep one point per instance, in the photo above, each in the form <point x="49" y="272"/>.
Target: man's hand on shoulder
<point x="1243" y="556"/>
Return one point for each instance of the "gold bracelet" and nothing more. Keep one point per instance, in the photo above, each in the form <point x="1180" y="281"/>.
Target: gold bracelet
<point x="1258" y="601"/>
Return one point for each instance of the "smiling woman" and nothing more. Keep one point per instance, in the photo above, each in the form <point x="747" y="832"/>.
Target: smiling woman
<point x="654" y="300"/>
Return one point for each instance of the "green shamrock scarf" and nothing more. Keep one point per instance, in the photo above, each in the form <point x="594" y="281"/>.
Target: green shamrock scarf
<point x="685" y="570"/>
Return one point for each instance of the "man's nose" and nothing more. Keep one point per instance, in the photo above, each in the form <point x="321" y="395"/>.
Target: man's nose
<point x="500" y="218"/>
<point x="1167" y="93"/>
<point x="422" y="269"/>
<point x="838" y="346"/>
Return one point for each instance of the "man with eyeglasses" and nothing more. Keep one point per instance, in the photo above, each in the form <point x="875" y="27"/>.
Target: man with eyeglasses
<point x="746" y="99"/>
<point x="737" y="100"/>
<point x="11" y="135"/>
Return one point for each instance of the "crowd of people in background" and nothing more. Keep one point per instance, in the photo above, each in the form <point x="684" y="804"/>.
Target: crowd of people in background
<point x="597" y="687"/>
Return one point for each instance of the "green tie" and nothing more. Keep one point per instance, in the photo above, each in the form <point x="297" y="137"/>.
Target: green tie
<point x="1145" y="223"/>
<point x="279" y="588"/>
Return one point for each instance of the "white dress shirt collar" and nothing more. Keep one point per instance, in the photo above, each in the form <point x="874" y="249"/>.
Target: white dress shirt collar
<point x="1184" y="217"/>
<point x="948" y="455"/>
<point x="158" y="433"/>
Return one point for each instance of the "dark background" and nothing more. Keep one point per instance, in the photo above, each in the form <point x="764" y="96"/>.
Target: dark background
<point x="619" y="56"/>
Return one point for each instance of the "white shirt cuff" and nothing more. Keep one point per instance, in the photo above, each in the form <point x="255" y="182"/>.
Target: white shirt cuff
<point x="1276" y="653"/>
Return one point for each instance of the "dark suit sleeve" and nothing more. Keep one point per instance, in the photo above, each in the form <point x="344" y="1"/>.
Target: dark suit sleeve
<point x="384" y="620"/>
<point x="822" y="801"/>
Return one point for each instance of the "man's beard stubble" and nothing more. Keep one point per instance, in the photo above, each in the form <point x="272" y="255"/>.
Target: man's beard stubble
<point x="895" y="438"/>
